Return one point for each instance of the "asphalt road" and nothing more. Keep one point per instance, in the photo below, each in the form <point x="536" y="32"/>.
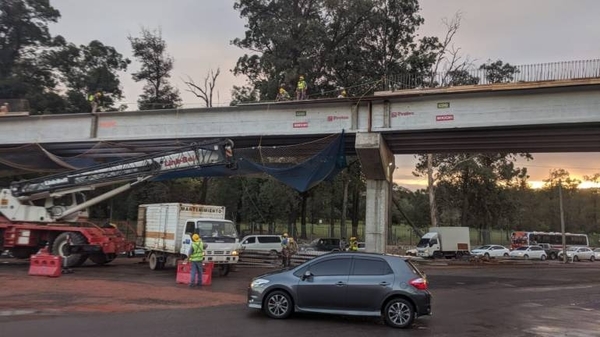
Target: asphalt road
<point x="532" y="300"/>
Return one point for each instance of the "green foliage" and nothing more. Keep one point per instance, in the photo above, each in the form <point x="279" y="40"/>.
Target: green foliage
<point x="151" y="51"/>
<point x="498" y="71"/>
<point x="84" y="70"/>
<point x="334" y="43"/>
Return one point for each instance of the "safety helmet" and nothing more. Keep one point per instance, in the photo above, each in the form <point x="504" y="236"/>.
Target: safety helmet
<point x="291" y="240"/>
<point x="281" y="90"/>
<point x="301" y="77"/>
<point x="353" y="238"/>
<point x="344" y="92"/>
<point x="195" y="237"/>
<point x="285" y="235"/>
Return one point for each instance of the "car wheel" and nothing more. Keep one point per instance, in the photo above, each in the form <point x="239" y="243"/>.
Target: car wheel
<point x="486" y="255"/>
<point x="526" y="257"/>
<point x="576" y="258"/>
<point x="278" y="304"/>
<point x="553" y="256"/>
<point x="543" y="257"/>
<point x="505" y="254"/>
<point x="592" y="258"/>
<point x="399" y="313"/>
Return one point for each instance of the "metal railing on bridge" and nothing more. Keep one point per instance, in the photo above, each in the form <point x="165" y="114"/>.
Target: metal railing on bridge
<point x="554" y="71"/>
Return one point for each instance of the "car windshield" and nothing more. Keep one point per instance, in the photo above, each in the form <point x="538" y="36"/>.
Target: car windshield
<point x="483" y="247"/>
<point x="572" y="249"/>
<point x="423" y="243"/>
<point x="522" y="248"/>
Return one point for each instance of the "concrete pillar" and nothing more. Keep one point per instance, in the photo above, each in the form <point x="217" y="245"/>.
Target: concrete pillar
<point x="378" y="167"/>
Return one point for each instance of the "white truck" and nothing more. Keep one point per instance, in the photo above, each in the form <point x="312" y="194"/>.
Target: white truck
<point x="442" y="242"/>
<point x="165" y="231"/>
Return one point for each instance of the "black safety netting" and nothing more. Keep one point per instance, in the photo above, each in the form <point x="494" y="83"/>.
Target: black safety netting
<point x="300" y="166"/>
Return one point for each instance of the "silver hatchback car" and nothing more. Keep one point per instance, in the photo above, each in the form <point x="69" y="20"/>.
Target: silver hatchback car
<point x="345" y="283"/>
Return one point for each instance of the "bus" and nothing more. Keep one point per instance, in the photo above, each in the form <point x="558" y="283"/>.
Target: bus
<point x="518" y="239"/>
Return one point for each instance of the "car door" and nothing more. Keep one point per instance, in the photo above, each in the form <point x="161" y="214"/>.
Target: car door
<point x="326" y="288"/>
<point x="536" y="252"/>
<point x="370" y="281"/>
<point x="249" y="243"/>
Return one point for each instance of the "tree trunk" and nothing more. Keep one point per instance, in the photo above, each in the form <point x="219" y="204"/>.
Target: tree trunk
<point x="430" y="186"/>
<point x="332" y="212"/>
<point x="303" y="216"/>
<point x="344" y="208"/>
<point x="355" y="211"/>
<point x="204" y="190"/>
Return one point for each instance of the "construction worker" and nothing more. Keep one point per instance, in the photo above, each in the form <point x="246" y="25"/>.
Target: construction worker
<point x="285" y="250"/>
<point x="196" y="256"/>
<point x="95" y="100"/>
<point x="282" y="95"/>
<point x="343" y="94"/>
<point x="353" y="244"/>
<point x="301" y="89"/>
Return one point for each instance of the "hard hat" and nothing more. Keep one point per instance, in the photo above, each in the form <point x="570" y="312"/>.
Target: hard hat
<point x="291" y="240"/>
<point x="301" y="77"/>
<point x="343" y="92"/>
<point x="281" y="91"/>
<point x="195" y="237"/>
<point x="353" y="238"/>
<point x="285" y="235"/>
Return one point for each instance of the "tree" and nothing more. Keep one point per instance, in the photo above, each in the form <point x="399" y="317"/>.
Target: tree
<point x="84" y="70"/>
<point x="205" y="92"/>
<point x="498" y="71"/>
<point x="23" y="34"/>
<point x="332" y="43"/>
<point x="151" y="51"/>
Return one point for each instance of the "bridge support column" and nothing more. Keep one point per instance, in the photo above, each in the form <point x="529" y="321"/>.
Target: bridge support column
<point x="378" y="167"/>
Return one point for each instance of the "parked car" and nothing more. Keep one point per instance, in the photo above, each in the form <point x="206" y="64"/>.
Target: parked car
<point x="381" y="285"/>
<point x="488" y="251"/>
<point x="322" y="245"/>
<point x="361" y="246"/>
<point x="597" y="253"/>
<point x="267" y="243"/>
<point x="579" y="253"/>
<point x="550" y="251"/>
<point x="529" y="252"/>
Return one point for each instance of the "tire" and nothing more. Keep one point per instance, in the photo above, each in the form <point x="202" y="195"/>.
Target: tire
<point x="58" y="246"/>
<point x="505" y="255"/>
<point x="459" y="255"/>
<point x="553" y="256"/>
<point x="224" y="270"/>
<point x="154" y="262"/>
<point x="526" y="257"/>
<point x="576" y="258"/>
<point x="399" y="313"/>
<point x="102" y="259"/>
<point x="592" y="258"/>
<point x="278" y="304"/>
<point x="543" y="257"/>
<point x="486" y="255"/>
<point x="437" y="255"/>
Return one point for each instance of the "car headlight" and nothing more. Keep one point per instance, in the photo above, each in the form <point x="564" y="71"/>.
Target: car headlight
<point x="234" y="253"/>
<point x="258" y="283"/>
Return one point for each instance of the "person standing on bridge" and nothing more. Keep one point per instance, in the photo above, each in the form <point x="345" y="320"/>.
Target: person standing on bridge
<point x="196" y="256"/>
<point x="95" y="100"/>
<point x="301" y="89"/>
<point x="282" y="95"/>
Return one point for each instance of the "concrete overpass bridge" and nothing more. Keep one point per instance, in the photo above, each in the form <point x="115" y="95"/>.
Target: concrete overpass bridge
<point x="550" y="116"/>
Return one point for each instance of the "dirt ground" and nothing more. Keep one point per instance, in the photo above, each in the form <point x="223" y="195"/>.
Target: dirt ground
<point x="124" y="285"/>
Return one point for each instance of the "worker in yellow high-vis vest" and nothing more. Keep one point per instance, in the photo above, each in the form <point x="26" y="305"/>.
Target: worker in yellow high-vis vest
<point x="196" y="256"/>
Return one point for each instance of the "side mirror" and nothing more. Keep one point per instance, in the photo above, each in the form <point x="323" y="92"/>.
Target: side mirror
<point x="307" y="274"/>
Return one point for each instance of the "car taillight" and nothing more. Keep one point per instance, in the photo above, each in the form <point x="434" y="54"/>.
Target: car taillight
<point x="419" y="283"/>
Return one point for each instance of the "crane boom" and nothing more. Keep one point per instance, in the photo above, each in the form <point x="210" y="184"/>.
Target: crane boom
<point x="21" y="201"/>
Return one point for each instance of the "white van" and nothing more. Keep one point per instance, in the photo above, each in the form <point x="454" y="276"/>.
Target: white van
<point x="266" y="243"/>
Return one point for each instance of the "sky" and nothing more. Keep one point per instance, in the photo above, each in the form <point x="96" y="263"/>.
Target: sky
<point x="199" y="32"/>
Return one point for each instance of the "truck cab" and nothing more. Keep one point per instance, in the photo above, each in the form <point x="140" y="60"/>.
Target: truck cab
<point x="428" y="245"/>
<point x="220" y="236"/>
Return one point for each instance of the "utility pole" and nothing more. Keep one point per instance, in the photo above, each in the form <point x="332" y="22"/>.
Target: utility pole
<point x="431" y="191"/>
<point x="562" y="222"/>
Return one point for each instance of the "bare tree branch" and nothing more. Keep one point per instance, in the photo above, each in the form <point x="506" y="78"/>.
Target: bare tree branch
<point x="205" y="92"/>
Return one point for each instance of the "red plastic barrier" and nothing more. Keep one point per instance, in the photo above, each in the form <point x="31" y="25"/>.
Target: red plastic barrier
<point x="184" y="276"/>
<point x="44" y="264"/>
